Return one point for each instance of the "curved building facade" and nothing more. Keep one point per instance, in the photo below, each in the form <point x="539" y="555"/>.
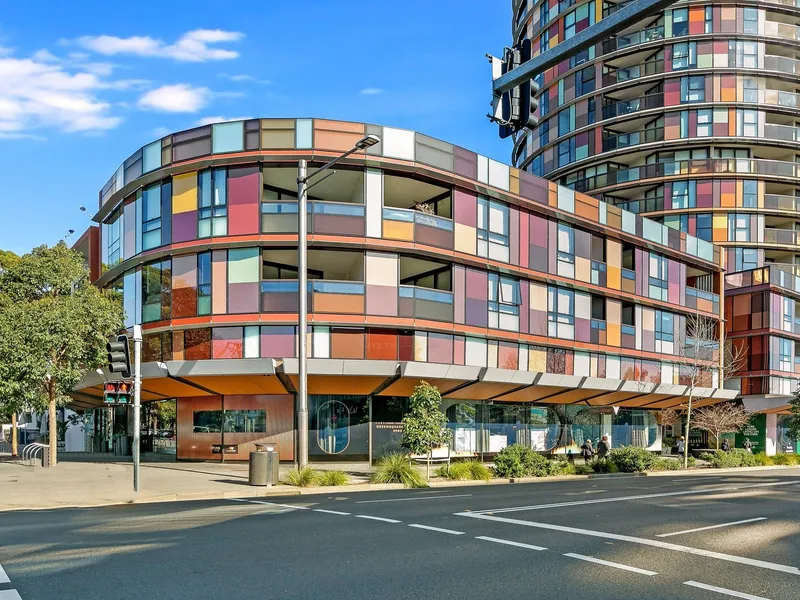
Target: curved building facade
<point x="689" y="117"/>
<point x="426" y="261"/>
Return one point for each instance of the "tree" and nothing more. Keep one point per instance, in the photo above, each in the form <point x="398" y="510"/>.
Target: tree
<point x="425" y="425"/>
<point x="793" y="423"/>
<point x="721" y="418"/>
<point x="54" y="329"/>
<point x="671" y="416"/>
<point x="698" y="351"/>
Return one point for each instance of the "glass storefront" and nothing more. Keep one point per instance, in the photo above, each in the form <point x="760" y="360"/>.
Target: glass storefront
<point x="338" y="428"/>
<point x="785" y="444"/>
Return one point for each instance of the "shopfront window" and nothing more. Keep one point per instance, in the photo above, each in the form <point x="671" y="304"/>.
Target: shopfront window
<point x="339" y="427"/>
<point x="236" y="421"/>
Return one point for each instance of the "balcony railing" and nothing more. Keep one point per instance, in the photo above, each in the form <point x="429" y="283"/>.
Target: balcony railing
<point x="416" y="226"/>
<point x="626" y="140"/>
<point x="643" y="205"/>
<point x="619" y="42"/>
<point x="781" y="237"/>
<point x="702" y="300"/>
<point x="771" y="97"/>
<point x="781" y="63"/>
<point x="781" y="30"/>
<point x="625" y="107"/>
<point x="334" y="218"/>
<point x="345" y="297"/>
<point x="424" y="303"/>
<point x="781" y="202"/>
<point x="652" y="67"/>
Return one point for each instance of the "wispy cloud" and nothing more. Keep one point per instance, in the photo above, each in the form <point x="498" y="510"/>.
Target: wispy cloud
<point x="192" y="46"/>
<point x="244" y="78"/>
<point x="371" y="91"/>
<point x="211" y="120"/>
<point x="175" y="98"/>
<point x="160" y="132"/>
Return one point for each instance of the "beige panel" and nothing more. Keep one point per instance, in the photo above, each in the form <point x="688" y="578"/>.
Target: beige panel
<point x="466" y="239"/>
<point x="382" y="269"/>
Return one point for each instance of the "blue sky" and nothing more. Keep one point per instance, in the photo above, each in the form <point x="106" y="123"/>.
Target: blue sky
<point x="84" y="87"/>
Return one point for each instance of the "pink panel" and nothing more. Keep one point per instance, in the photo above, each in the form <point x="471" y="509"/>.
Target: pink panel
<point x="243" y="200"/>
<point x="227" y="342"/>
<point x="513" y="213"/>
<point x="459" y="350"/>
<point x="524" y="293"/>
<point x="440" y="348"/>
<point x="524" y="225"/>
<point x="465" y="208"/>
<point x="459" y="293"/>
<point x="219" y="282"/>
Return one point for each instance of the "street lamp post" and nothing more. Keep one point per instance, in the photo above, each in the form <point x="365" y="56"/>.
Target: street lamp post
<point x="302" y="268"/>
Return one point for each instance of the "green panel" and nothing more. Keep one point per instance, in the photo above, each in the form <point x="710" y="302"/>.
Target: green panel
<point x="243" y="265"/>
<point x="228" y="137"/>
<point x="756" y="432"/>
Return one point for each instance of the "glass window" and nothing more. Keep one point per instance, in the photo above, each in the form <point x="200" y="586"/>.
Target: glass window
<point x="236" y="421"/>
<point x="745" y="259"/>
<point x="750" y="20"/>
<point x="112" y="238"/>
<point x="658" y="277"/>
<point x="684" y="194"/>
<point x="561" y="313"/>
<point x="684" y="55"/>
<point x="204" y="283"/>
<point x="750" y="193"/>
<point x="151" y="217"/>
<point x="705" y="122"/>
<point x="693" y="89"/>
<point x="339" y="425"/>
<point x="544" y="103"/>
<point x="680" y="22"/>
<point x="664" y="327"/>
<point x="566" y="243"/>
<point x="212" y="217"/>
<point x="504" y="301"/>
<point x="493" y="229"/>
<point x="785" y="350"/>
<point x="569" y="25"/>
<point x="703" y="229"/>
<point x="679" y="222"/>
<point x="566" y="152"/>
<point x="709" y="19"/>
<point x="156" y="283"/>
<point x="738" y="227"/>
<point x="747" y="123"/>
<point x="566" y="120"/>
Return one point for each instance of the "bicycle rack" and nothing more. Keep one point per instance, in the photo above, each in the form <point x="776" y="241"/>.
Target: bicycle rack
<point x="31" y="451"/>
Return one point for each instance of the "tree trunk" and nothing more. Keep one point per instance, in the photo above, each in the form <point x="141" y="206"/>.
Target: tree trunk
<point x="52" y="429"/>
<point x="428" y="467"/>
<point x="14" y="447"/>
<point x="688" y="429"/>
<point x="716" y="437"/>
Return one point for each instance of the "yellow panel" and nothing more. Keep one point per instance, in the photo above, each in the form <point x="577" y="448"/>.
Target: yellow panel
<point x="614" y="278"/>
<point x="720" y="228"/>
<point x="537" y="360"/>
<point x="398" y="230"/>
<point x="184" y="192"/>
<point x="583" y="269"/>
<point x="514" y="180"/>
<point x="466" y="239"/>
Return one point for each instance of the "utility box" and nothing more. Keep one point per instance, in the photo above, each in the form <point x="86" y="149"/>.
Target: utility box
<point x="264" y="465"/>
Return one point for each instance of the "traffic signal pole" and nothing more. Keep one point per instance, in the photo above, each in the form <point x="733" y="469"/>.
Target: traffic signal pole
<point x="137" y="404"/>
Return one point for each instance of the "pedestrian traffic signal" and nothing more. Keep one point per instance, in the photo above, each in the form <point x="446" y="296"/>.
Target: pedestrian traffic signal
<point x="119" y="357"/>
<point x="117" y="392"/>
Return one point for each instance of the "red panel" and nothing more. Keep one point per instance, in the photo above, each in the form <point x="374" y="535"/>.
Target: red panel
<point x="243" y="200"/>
<point x="381" y="344"/>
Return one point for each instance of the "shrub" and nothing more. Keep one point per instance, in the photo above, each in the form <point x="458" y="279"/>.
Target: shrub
<point x="520" y="461"/>
<point x="665" y="464"/>
<point x="561" y="466"/>
<point x="604" y="466"/>
<point x="479" y="471"/>
<point x="785" y="459"/>
<point x="395" y="468"/>
<point x="468" y="470"/>
<point x="691" y="461"/>
<point x="327" y="478"/>
<point x="631" y="459"/>
<point x="763" y="460"/>
<point x="584" y="470"/>
<point x="737" y="457"/>
<point x="304" y="477"/>
<point x="443" y="471"/>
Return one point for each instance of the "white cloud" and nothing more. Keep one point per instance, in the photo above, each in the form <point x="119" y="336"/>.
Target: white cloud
<point x="37" y="92"/>
<point x="245" y="78"/>
<point x="192" y="46"/>
<point x="44" y="55"/>
<point x="212" y="120"/>
<point x="371" y="91"/>
<point x="175" y="98"/>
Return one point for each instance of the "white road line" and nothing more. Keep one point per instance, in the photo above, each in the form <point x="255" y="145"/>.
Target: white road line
<point x="384" y="519"/>
<point x="712" y="527"/>
<point x="415" y="498"/>
<point x="643" y="541"/>
<point x="270" y="503"/>
<point x="510" y="543"/>
<point x="330" y="512"/>
<point x="9" y="595"/>
<point x="439" y="529"/>
<point x="638" y="497"/>
<point x="3" y="577"/>
<point x="608" y="563"/>
<point x="719" y="590"/>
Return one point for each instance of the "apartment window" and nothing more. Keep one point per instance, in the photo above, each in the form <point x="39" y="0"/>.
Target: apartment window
<point x="493" y="241"/>
<point x="738" y="228"/>
<point x="747" y="122"/>
<point x="684" y="194"/>
<point x="657" y="277"/>
<point x="628" y="318"/>
<point x="679" y="222"/>
<point x="680" y="22"/>
<point x="743" y="54"/>
<point x="787" y="313"/>
<point x="703" y="229"/>
<point x="204" y="283"/>
<point x="750" y="89"/>
<point x="544" y="103"/>
<point x="566" y="152"/>
<point x="584" y="81"/>
<point x="785" y="354"/>
<point x="504" y="301"/>
<point x="581" y="57"/>
<point x="684" y="56"/>
<point x="544" y="14"/>
<point x="213" y="210"/>
<point x="569" y="24"/>
<point x="566" y="120"/>
<point x="705" y="122"/>
<point x="664" y="327"/>
<point x="709" y="19"/>
<point x="544" y="133"/>
<point x="561" y="313"/>
<point x="745" y="259"/>
<point x="750" y="193"/>
<point x="155" y="291"/>
<point x="693" y="89"/>
<point x="598" y="308"/>
<point x="151" y="217"/>
<point x="751" y="20"/>
<point x="566" y="243"/>
<point x="112" y="238"/>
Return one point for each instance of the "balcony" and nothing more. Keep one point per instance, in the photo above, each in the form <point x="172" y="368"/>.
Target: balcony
<point x="619" y="42"/>
<point x="423" y="303"/>
<point x="782" y="64"/>
<point x="771" y="97"/>
<point x="702" y="300"/>
<point x="651" y="67"/>
<point x="636" y="138"/>
<point x="629" y="281"/>
<point x="597" y="332"/>
<point x="781" y="237"/>
<point x="625" y="107"/>
<point x="339" y="297"/>
<point x="643" y="205"/>
<point x="331" y="218"/>
<point x="781" y="202"/>
<point x="781" y="30"/>
<point x="415" y="226"/>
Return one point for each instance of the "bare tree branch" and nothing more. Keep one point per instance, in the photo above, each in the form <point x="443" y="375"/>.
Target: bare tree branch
<point x="721" y="418"/>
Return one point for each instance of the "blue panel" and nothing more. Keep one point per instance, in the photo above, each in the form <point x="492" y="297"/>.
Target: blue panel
<point x="227" y="137"/>
<point x="303" y="133"/>
<point x="151" y="156"/>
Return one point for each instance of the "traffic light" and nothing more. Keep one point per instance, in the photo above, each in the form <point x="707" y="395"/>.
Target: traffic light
<point x="117" y="392"/>
<point x="119" y="357"/>
<point x="514" y="110"/>
<point x="527" y="92"/>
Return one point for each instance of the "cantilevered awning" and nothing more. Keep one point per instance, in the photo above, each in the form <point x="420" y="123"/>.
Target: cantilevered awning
<point x="179" y="379"/>
<point x="767" y="403"/>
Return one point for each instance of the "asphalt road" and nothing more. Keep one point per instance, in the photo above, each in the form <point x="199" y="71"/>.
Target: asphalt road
<point x="660" y="538"/>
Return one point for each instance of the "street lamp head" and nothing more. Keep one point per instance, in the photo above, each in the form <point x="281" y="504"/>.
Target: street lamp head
<point x="367" y="142"/>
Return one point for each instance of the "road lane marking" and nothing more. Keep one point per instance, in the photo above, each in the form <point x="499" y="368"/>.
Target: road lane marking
<point x="510" y="543"/>
<point x="3" y="576"/>
<point x="608" y="563"/>
<point x="719" y="590"/>
<point x="712" y="527"/>
<point x="10" y="595"/>
<point x="439" y="529"/>
<point x="384" y="519"/>
<point x="414" y="498"/>
<point x="270" y="503"/>
<point x="643" y="541"/>
<point x="330" y="512"/>
<point x="638" y="497"/>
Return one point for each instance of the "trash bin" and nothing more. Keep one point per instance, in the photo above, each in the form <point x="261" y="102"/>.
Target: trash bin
<point x="264" y="465"/>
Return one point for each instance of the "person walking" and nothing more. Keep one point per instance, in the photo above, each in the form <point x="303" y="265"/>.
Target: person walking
<point x="748" y="446"/>
<point x="603" y="447"/>
<point x="681" y="445"/>
<point x="726" y="447"/>
<point x="587" y="451"/>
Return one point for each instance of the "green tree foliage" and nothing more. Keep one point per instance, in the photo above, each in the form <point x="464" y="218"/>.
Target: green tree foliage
<point x="793" y="422"/>
<point x="53" y="328"/>
<point x="425" y="425"/>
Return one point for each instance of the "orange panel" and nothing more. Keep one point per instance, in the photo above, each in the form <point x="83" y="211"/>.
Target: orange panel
<point x="171" y="388"/>
<point x="405" y="386"/>
<point x="398" y="230"/>
<point x="240" y="384"/>
<point x="482" y="391"/>
<point x="339" y="303"/>
<point x="337" y="384"/>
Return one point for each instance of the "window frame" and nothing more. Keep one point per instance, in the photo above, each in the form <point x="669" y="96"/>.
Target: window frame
<point x="210" y="212"/>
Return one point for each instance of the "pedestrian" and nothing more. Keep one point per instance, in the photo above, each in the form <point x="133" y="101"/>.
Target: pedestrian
<point x="681" y="445"/>
<point x="603" y="447"/>
<point x="748" y="446"/>
<point x="587" y="451"/>
<point x="726" y="447"/>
